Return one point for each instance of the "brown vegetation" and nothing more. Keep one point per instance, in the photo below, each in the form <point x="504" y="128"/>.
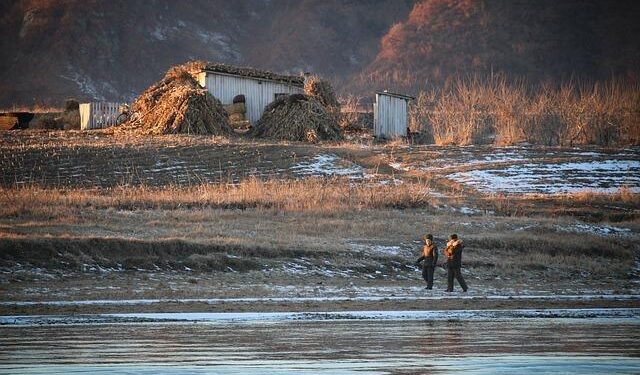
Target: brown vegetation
<point x="321" y="90"/>
<point x="276" y="230"/>
<point x="539" y="41"/>
<point x="287" y="195"/>
<point x="588" y="206"/>
<point x="297" y="117"/>
<point x="177" y="104"/>
<point x="494" y="110"/>
<point x="352" y="118"/>
<point x="214" y="229"/>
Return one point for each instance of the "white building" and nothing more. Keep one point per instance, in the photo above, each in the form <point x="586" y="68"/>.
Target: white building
<point x="259" y="87"/>
<point x="97" y="115"/>
<point x="390" y="114"/>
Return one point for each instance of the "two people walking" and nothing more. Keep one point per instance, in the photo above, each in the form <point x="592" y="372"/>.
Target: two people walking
<point x="453" y="253"/>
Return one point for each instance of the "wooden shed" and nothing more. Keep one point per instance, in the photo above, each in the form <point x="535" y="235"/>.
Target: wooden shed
<point x="390" y="114"/>
<point x="259" y="87"/>
<point x="97" y="115"/>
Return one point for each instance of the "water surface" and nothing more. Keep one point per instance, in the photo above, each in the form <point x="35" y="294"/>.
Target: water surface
<point x="349" y="346"/>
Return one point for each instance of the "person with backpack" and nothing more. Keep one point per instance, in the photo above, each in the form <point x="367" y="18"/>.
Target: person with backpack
<point x="453" y="252"/>
<point x="430" y="258"/>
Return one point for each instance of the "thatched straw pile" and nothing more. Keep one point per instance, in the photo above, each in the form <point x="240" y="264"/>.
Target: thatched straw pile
<point x="322" y="91"/>
<point x="297" y="117"/>
<point x="248" y="72"/>
<point x="177" y="104"/>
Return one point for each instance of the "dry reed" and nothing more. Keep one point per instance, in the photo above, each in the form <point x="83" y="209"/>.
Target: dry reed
<point x="285" y="195"/>
<point x="475" y="111"/>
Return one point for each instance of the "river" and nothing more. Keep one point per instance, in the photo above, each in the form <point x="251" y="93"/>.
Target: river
<point x="345" y="343"/>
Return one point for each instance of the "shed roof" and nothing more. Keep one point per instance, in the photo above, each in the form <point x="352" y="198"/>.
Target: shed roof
<point x="252" y="73"/>
<point x="395" y="95"/>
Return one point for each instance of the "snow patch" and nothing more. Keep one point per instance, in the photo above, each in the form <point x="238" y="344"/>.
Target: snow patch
<point x="500" y="157"/>
<point x="85" y="84"/>
<point x="600" y="230"/>
<point x="380" y="249"/>
<point x="399" y="166"/>
<point x="158" y="33"/>
<point x="328" y="165"/>
<point x="221" y="41"/>
<point x="605" y="176"/>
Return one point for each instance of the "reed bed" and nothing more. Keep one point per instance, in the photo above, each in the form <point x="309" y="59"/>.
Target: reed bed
<point x="499" y="111"/>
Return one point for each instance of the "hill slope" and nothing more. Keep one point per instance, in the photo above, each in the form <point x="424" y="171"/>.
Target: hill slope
<point x="112" y="50"/>
<point x="538" y="40"/>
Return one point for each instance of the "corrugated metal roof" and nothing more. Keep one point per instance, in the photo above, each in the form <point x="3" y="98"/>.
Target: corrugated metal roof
<point x="396" y="95"/>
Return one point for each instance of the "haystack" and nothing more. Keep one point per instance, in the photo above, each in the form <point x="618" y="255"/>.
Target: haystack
<point x="322" y="91"/>
<point x="297" y="117"/>
<point x="177" y="104"/>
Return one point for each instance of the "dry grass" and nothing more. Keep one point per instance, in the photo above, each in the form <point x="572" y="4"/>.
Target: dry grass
<point x="352" y="119"/>
<point x="37" y="108"/>
<point x="212" y="239"/>
<point x="591" y="206"/>
<point x="315" y="224"/>
<point x="259" y="227"/>
<point x="319" y="195"/>
<point x="624" y="195"/>
<point x="495" y="110"/>
<point x="117" y="253"/>
<point x="321" y="90"/>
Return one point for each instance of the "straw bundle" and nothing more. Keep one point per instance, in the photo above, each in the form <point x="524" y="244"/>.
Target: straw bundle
<point x="297" y="117"/>
<point x="177" y="104"/>
<point x="322" y="91"/>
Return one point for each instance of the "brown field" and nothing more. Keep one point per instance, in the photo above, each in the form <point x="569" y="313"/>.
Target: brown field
<point x="97" y="216"/>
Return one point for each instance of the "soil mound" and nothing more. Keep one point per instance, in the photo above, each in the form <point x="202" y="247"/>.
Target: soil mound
<point x="178" y="104"/>
<point x="297" y="117"/>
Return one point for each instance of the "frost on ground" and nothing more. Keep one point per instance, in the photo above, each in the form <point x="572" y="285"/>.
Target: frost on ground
<point x="328" y="165"/>
<point x="600" y="230"/>
<point x="494" y="158"/>
<point x="434" y="158"/>
<point x="442" y="315"/>
<point x="605" y="176"/>
<point x="400" y="167"/>
<point x="379" y="249"/>
<point x="467" y="211"/>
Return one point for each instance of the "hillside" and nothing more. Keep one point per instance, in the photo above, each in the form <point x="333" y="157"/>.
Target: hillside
<point x="537" y="40"/>
<point x="113" y="50"/>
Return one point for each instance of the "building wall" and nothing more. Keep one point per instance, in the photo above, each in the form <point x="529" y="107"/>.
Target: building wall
<point x="390" y="116"/>
<point x="258" y="93"/>
<point x="97" y="115"/>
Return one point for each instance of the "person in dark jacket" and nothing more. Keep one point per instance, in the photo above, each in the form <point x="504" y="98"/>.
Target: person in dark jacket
<point x="453" y="252"/>
<point x="430" y="258"/>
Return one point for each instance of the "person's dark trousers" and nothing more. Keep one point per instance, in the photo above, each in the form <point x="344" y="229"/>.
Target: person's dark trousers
<point x="427" y="275"/>
<point x="455" y="272"/>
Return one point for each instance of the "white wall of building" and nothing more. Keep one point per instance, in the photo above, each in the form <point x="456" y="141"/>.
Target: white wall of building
<point x="258" y="92"/>
<point x="390" y="116"/>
